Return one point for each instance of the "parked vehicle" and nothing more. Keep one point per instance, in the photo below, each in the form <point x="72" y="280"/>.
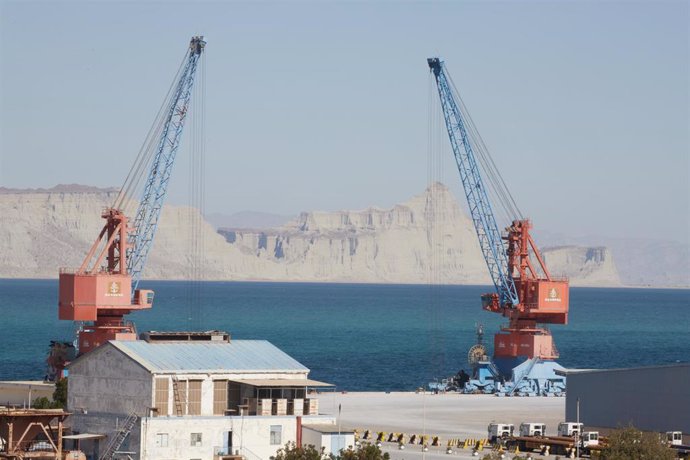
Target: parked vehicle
<point x="532" y="429"/>
<point x="498" y="431"/>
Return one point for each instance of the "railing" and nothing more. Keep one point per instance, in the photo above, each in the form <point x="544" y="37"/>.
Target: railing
<point x="281" y="406"/>
<point x="120" y="436"/>
<point x="248" y="454"/>
<point x="75" y="271"/>
<point x="68" y="270"/>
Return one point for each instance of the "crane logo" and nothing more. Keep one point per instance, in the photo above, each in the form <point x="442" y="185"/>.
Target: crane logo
<point x="553" y="296"/>
<point x="114" y="289"/>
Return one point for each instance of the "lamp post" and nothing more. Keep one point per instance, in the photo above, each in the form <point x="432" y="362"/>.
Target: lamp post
<point x="579" y="435"/>
<point x="340" y="441"/>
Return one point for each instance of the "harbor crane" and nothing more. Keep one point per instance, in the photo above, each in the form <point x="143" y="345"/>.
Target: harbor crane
<point x="104" y="289"/>
<point x="525" y="291"/>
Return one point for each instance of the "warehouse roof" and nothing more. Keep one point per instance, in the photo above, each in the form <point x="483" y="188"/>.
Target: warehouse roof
<point x="231" y="357"/>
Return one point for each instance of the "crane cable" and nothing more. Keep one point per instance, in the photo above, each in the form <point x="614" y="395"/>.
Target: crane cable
<point x="127" y="201"/>
<point x="434" y="231"/>
<point x="496" y="182"/>
<point x="131" y="188"/>
<point x="196" y="196"/>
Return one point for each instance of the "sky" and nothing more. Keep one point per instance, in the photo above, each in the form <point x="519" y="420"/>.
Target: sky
<point x="325" y="105"/>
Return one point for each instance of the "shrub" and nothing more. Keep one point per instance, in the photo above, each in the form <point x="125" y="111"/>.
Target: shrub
<point x="632" y="444"/>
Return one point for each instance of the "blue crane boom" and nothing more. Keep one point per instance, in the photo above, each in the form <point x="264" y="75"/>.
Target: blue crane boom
<point x="156" y="185"/>
<point x="490" y="239"/>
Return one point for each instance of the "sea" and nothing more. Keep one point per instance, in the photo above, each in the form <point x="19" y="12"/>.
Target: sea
<point x="364" y="337"/>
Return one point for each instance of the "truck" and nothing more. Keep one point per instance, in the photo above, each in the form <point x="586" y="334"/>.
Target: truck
<point x="498" y="431"/>
<point x="570" y="439"/>
<point x="569" y="429"/>
<point x="532" y="429"/>
<point x="674" y="439"/>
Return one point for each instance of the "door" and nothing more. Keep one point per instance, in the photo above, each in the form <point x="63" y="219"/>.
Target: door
<point x="227" y="443"/>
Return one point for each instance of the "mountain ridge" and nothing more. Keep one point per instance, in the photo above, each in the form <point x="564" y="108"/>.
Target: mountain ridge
<point x="427" y="238"/>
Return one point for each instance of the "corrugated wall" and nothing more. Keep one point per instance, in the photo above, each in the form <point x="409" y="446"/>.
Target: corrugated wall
<point x="650" y="398"/>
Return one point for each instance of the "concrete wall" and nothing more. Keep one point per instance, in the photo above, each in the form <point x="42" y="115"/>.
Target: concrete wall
<point x="107" y="381"/>
<point x="650" y="398"/>
<point x="104" y="387"/>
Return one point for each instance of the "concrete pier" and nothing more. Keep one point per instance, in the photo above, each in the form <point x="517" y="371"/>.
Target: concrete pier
<point x="445" y="415"/>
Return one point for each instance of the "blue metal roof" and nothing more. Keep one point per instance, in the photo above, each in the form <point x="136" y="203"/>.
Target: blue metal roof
<point x="233" y="356"/>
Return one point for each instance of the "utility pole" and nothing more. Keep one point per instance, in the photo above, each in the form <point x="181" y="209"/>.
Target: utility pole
<point x="579" y="435"/>
<point x="340" y="441"/>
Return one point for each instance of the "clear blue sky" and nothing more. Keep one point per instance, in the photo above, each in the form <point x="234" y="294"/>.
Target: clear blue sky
<point x="322" y="105"/>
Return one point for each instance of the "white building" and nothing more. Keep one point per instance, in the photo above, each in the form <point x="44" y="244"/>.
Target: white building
<point x="196" y="396"/>
<point x="24" y="393"/>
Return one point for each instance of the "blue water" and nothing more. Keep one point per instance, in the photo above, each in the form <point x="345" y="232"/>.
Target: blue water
<point x="364" y="337"/>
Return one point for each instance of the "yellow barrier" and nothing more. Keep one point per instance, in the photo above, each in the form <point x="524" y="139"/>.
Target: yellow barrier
<point x="381" y="436"/>
<point x="435" y="441"/>
<point x="413" y="439"/>
<point x="367" y="435"/>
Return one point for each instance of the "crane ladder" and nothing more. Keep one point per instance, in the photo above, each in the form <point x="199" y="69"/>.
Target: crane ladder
<point x="176" y="396"/>
<point x="524" y="375"/>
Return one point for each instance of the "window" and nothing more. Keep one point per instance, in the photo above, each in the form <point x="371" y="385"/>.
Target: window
<point x="194" y="397"/>
<point x="234" y="395"/>
<point x="276" y="435"/>
<point x="161" y="396"/>
<point x="161" y="439"/>
<point x="220" y="397"/>
<point x="195" y="440"/>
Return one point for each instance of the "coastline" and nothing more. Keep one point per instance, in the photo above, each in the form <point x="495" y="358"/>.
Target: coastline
<point x="353" y="282"/>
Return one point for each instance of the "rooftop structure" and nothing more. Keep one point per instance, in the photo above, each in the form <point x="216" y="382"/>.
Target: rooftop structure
<point x="184" y="357"/>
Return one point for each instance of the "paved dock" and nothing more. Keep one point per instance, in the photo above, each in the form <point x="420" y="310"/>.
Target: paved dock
<point x="445" y="415"/>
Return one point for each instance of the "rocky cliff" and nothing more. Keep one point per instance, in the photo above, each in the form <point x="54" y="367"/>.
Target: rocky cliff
<point x="427" y="238"/>
<point x="585" y="266"/>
